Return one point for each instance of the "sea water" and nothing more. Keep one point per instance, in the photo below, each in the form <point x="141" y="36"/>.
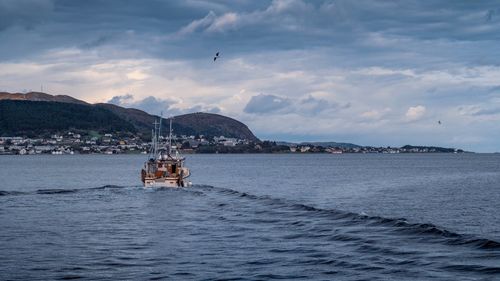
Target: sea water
<point x="252" y="217"/>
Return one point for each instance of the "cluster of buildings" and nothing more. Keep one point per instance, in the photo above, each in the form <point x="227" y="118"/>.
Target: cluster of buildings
<point x="371" y="149"/>
<point x="74" y="143"/>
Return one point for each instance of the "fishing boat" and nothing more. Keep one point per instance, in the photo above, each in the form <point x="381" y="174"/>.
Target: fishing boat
<point x="165" y="166"/>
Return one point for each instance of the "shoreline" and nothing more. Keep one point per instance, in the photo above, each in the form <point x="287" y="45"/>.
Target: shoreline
<point x="252" y="153"/>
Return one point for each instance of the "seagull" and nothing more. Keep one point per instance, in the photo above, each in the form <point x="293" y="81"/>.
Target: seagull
<point x="439" y="122"/>
<point x="216" y="56"/>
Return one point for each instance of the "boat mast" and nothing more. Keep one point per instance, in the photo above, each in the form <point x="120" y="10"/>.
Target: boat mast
<point x="159" y="128"/>
<point x="155" y="140"/>
<point x="151" y="150"/>
<point x="170" y="138"/>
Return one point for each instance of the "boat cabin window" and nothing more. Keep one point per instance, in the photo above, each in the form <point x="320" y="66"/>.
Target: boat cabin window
<point x="174" y="168"/>
<point x="151" y="169"/>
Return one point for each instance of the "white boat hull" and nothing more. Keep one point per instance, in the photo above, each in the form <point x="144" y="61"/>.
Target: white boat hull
<point x="166" y="182"/>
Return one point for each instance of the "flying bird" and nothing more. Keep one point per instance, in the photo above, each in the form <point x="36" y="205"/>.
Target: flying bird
<point x="216" y="56"/>
<point x="439" y="122"/>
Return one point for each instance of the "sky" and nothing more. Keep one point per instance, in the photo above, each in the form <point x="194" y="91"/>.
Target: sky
<point x="369" y="72"/>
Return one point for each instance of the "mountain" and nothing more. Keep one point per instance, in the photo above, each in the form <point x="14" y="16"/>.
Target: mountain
<point x="199" y="123"/>
<point x="35" y="112"/>
<point x="32" y="118"/>
<point x="210" y="124"/>
<point x="37" y="96"/>
<point x="141" y="120"/>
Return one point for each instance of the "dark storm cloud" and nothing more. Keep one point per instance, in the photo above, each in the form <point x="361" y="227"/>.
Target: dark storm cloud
<point x="97" y="42"/>
<point x="25" y="13"/>
<point x="28" y="27"/>
<point x="298" y="24"/>
<point x="190" y="29"/>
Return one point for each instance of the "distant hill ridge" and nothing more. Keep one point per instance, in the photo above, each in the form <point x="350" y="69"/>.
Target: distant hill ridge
<point x="38" y="96"/>
<point x="37" y="112"/>
<point x="323" y="144"/>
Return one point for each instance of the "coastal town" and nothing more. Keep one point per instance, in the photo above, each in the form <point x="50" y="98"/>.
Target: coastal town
<point x="69" y="143"/>
<point x="108" y="143"/>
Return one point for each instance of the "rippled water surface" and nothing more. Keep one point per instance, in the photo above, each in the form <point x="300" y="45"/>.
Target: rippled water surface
<point x="252" y="217"/>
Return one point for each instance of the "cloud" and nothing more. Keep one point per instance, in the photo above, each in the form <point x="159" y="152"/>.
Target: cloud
<point x="199" y="24"/>
<point x="156" y="106"/>
<point x="382" y="71"/>
<point x="25" y="13"/>
<point x="345" y="22"/>
<point x="308" y="106"/>
<point x="281" y="14"/>
<point x="137" y="75"/>
<point x="375" y="114"/>
<point x="149" y="104"/>
<point x="415" y="113"/>
<point x="223" y="22"/>
<point x="488" y="111"/>
<point x="312" y="105"/>
<point x="479" y="110"/>
<point x="266" y="104"/>
<point x="94" y="43"/>
<point x="121" y="100"/>
<point x="199" y="108"/>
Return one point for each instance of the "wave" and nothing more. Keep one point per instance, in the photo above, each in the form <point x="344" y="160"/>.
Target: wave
<point x="6" y="193"/>
<point x="59" y="190"/>
<point x="472" y="268"/>
<point x="56" y="191"/>
<point x="400" y="225"/>
<point x="77" y="190"/>
<point x="108" y="186"/>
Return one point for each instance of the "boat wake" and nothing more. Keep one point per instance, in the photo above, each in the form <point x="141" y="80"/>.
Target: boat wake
<point x="61" y="190"/>
<point x="417" y="231"/>
<point x="256" y="234"/>
<point x="427" y="231"/>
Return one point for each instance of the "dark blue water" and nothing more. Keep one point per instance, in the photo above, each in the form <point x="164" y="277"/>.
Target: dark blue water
<point x="252" y="217"/>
